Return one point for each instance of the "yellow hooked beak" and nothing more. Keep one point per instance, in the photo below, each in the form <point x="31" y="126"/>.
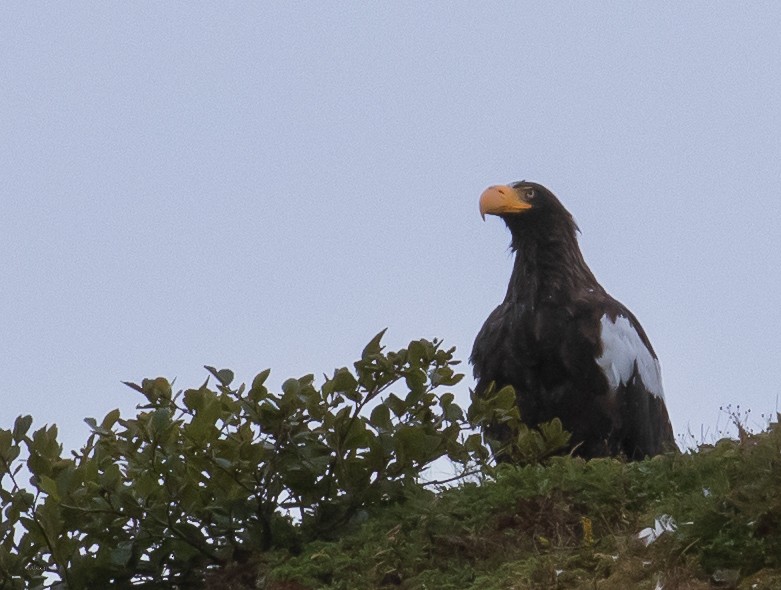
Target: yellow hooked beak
<point x="501" y="199"/>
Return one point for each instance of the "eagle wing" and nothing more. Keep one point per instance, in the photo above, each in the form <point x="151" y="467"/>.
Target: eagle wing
<point x="635" y="397"/>
<point x="627" y="355"/>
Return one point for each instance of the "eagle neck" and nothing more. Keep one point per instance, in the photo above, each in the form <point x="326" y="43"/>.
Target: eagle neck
<point x="548" y="267"/>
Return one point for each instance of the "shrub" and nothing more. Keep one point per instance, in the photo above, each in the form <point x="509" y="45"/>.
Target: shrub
<point x="207" y="476"/>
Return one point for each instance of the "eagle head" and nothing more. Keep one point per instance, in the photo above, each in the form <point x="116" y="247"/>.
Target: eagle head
<point x="530" y="210"/>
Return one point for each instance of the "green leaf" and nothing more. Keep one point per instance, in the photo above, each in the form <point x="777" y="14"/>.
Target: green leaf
<point x="453" y="413"/>
<point x="224" y="376"/>
<point x="224" y="463"/>
<point x="161" y="419"/>
<point x="343" y="381"/>
<point x="414" y="444"/>
<point x="21" y="426"/>
<point x="194" y="399"/>
<point x="6" y="440"/>
<point x="416" y="381"/>
<point x="110" y="419"/>
<point x="260" y="378"/>
<point x="505" y="397"/>
<point x="134" y="386"/>
<point x="158" y="388"/>
<point x="397" y="405"/>
<point x="121" y="554"/>
<point x="373" y="347"/>
<point x="48" y="485"/>
<point x="416" y="352"/>
<point x="258" y="390"/>
<point x="270" y="417"/>
<point x="357" y="437"/>
<point x="445" y="376"/>
<point x="380" y="417"/>
<point x="291" y="386"/>
<point x="474" y="442"/>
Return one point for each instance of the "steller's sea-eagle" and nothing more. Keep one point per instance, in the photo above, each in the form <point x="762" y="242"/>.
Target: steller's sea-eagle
<point x="567" y="348"/>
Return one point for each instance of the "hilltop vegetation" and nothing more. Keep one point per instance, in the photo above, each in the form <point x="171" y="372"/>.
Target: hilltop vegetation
<point x="570" y="524"/>
<point x="238" y="487"/>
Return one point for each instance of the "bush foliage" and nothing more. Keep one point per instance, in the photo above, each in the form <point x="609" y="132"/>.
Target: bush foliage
<point x="207" y="476"/>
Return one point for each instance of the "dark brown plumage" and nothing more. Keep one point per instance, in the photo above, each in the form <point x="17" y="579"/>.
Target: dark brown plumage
<point x="567" y="347"/>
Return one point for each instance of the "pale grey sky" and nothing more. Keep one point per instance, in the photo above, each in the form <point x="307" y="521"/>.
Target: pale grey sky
<point x="250" y="185"/>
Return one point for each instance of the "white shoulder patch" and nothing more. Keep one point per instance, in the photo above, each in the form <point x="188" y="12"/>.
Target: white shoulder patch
<point x="622" y="351"/>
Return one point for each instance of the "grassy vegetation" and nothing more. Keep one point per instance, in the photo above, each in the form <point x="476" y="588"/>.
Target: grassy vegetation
<point x="566" y="524"/>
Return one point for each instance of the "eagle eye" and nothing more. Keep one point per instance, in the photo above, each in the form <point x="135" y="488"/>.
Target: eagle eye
<point x="529" y="195"/>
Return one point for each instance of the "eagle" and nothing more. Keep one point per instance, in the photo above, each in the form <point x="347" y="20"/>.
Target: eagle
<point x="568" y="349"/>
